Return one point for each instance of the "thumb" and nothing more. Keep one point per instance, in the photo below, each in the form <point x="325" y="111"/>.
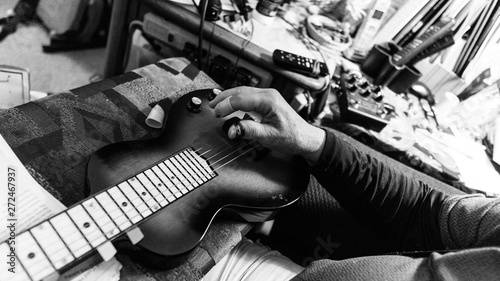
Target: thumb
<point x="248" y="129"/>
<point x="252" y="130"/>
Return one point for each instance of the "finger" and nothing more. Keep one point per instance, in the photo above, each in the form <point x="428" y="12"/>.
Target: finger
<point x="224" y="108"/>
<point x="246" y="99"/>
<point x="223" y="95"/>
<point x="246" y="129"/>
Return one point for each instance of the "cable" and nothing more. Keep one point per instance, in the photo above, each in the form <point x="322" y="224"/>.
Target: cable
<point x="134" y="25"/>
<point x="200" y="35"/>
<point x="309" y="40"/>
<point x="238" y="55"/>
<point x="210" y="44"/>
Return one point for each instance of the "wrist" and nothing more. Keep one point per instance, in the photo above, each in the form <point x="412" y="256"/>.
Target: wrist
<point x="313" y="144"/>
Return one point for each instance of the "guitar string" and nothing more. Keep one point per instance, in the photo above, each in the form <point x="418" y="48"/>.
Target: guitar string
<point x="231" y="160"/>
<point x="232" y="151"/>
<point x="220" y="146"/>
<point x="220" y="167"/>
<point x="228" y="148"/>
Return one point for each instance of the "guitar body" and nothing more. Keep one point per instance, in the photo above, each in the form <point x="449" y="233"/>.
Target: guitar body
<point x="248" y="176"/>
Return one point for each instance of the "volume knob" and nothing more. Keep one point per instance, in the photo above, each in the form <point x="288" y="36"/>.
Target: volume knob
<point x="194" y="105"/>
<point x="213" y="94"/>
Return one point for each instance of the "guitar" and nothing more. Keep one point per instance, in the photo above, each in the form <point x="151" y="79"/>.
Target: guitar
<point x="162" y="194"/>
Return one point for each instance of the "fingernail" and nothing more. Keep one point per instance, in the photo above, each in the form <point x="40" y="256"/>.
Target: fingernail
<point x="232" y="132"/>
<point x="238" y="130"/>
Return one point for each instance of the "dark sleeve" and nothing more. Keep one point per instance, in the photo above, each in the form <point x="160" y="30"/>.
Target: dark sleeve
<point x="378" y="194"/>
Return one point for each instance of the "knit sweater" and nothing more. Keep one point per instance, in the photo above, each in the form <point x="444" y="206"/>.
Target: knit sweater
<point x="465" y="229"/>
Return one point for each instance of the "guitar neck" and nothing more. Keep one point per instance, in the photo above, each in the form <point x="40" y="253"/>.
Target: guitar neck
<point x="58" y="243"/>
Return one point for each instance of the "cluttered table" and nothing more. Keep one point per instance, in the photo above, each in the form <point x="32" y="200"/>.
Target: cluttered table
<point x="411" y="138"/>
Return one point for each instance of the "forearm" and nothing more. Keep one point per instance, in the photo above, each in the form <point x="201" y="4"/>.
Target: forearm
<point x="380" y="195"/>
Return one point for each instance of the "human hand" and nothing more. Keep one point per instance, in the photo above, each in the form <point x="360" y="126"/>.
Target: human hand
<point x="281" y="128"/>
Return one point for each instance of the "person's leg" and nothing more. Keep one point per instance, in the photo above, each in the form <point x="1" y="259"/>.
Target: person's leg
<point x="249" y="261"/>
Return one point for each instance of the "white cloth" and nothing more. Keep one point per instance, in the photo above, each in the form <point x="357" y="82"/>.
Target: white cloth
<point x="252" y="261"/>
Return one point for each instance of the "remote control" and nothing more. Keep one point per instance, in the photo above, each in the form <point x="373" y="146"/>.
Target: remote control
<point x="299" y="64"/>
<point x="434" y="33"/>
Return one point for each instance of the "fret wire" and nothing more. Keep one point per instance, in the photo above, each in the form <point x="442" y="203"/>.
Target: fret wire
<point x="142" y="186"/>
<point x="149" y="182"/>
<point x="136" y="184"/>
<point x="60" y="237"/>
<point x="150" y="175"/>
<point x="189" y="161"/>
<point x="128" y="191"/>
<point x="145" y="208"/>
<point x="173" y="169"/>
<point x="76" y="226"/>
<point x="40" y="246"/>
<point x="18" y="275"/>
<point x="161" y="175"/>
<point x="82" y="226"/>
<point x="181" y="169"/>
<point x="194" y="174"/>
<point x="203" y="162"/>
<point x="151" y="188"/>
<point x="190" y="165"/>
<point x="121" y="206"/>
<point x="43" y="232"/>
<point x="170" y="183"/>
<point x="176" y="174"/>
<point x="33" y="253"/>
<point x="106" y="212"/>
<point x="98" y="213"/>
<point x="197" y="163"/>
<point x="90" y="216"/>
<point x="184" y="170"/>
<point x="78" y="233"/>
<point x="112" y="203"/>
<point x="174" y="179"/>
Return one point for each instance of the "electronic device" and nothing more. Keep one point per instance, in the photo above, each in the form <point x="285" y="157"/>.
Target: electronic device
<point x="419" y="44"/>
<point x="221" y="65"/>
<point x="214" y="8"/>
<point x="303" y="65"/>
<point x="362" y="103"/>
<point x="363" y="41"/>
<point x="434" y="48"/>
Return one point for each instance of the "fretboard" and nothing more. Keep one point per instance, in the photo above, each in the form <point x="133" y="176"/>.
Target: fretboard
<point x="92" y="224"/>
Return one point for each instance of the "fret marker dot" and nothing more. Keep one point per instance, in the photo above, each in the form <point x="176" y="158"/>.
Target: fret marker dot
<point x="143" y="193"/>
<point x="31" y="255"/>
<point x="132" y="179"/>
<point x="124" y="204"/>
<point x="86" y="225"/>
<point x="159" y="184"/>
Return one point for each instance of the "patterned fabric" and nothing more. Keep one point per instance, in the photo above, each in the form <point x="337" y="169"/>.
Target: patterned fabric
<point x="55" y="136"/>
